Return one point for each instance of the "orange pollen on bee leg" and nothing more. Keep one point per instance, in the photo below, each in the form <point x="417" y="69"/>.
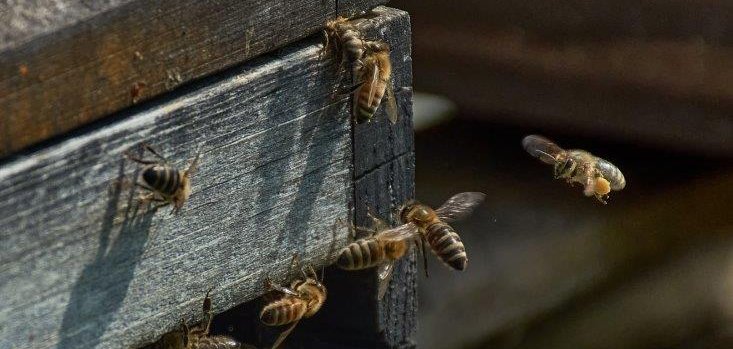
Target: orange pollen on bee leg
<point x="602" y="186"/>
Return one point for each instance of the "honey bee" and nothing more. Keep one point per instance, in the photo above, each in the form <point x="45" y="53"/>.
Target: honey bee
<point x="346" y="40"/>
<point x="597" y="176"/>
<point x="374" y="80"/>
<point x="371" y="68"/>
<point x="301" y="300"/>
<point x="165" y="183"/>
<point x="435" y="230"/>
<point x="382" y="248"/>
<point x="198" y="337"/>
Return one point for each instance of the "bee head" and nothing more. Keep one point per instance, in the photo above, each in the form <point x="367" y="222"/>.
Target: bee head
<point x="415" y="211"/>
<point x="564" y="167"/>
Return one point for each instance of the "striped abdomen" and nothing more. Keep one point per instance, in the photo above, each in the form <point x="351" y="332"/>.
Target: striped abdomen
<point x="611" y="173"/>
<point x="163" y="179"/>
<point x="363" y="109"/>
<point x="353" y="45"/>
<point x="447" y="245"/>
<point x="214" y="342"/>
<point x="361" y="254"/>
<point x="283" y="311"/>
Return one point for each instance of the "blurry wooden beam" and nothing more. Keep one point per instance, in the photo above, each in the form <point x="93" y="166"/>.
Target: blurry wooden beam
<point x="647" y="72"/>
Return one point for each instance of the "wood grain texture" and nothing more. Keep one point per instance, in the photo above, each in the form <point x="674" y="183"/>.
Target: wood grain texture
<point x="81" y="268"/>
<point x="65" y="63"/>
<point x="650" y="72"/>
<point x="384" y="173"/>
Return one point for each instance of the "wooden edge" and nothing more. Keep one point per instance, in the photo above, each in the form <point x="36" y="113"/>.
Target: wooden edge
<point x="107" y="57"/>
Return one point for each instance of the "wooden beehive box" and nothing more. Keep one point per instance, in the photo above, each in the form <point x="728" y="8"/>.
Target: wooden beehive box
<point x="244" y="83"/>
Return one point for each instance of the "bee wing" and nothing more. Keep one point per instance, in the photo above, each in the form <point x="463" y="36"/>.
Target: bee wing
<point x="541" y="148"/>
<point x="392" y="113"/>
<point x="459" y="206"/>
<point x="284" y="334"/>
<point x="400" y="233"/>
<point x="373" y="84"/>
<point x="385" y="275"/>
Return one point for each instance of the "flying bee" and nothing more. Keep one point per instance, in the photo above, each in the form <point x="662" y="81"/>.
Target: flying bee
<point x="165" y="183"/>
<point x="435" y="230"/>
<point x="374" y="80"/>
<point x="385" y="246"/>
<point x="198" y="337"/>
<point x="301" y="300"/>
<point x="597" y="176"/>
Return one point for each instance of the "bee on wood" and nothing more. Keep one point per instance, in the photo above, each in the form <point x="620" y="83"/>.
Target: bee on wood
<point x="435" y="230"/>
<point x="374" y="80"/>
<point x="198" y="337"/>
<point x="385" y="246"/>
<point x="166" y="184"/>
<point x="371" y="68"/>
<point x="597" y="176"/>
<point x="346" y="40"/>
<point x="301" y="300"/>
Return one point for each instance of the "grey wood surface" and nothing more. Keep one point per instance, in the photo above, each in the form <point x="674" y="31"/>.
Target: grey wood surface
<point x="81" y="269"/>
<point x="384" y="173"/>
<point x="383" y="176"/>
<point x="65" y="63"/>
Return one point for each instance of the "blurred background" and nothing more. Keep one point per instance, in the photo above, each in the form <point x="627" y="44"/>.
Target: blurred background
<point x="644" y="84"/>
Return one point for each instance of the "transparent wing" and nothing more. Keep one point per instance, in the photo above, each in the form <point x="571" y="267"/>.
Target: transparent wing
<point x="399" y="233"/>
<point x="385" y="275"/>
<point x="392" y="113"/>
<point x="284" y="334"/>
<point x="373" y="84"/>
<point x="459" y="206"/>
<point x="541" y="148"/>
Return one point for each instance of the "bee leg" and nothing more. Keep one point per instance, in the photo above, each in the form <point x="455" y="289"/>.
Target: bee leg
<point x="602" y="198"/>
<point x="145" y="199"/>
<point x="421" y="244"/>
<point x="138" y="160"/>
<point x="271" y="285"/>
<point x="347" y="91"/>
<point x="194" y="163"/>
<point x="184" y="326"/>
<point x="208" y="315"/>
<point x="325" y="44"/>
<point x="149" y="148"/>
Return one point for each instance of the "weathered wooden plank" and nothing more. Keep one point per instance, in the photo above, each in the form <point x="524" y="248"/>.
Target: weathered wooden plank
<point x="383" y="171"/>
<point x="65" y="63"/>
<point x="79" y="269"/>
<point x="645" y="72"/>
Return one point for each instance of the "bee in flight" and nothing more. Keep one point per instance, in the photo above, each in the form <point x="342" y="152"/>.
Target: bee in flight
<point x="435" y="230"/>
<point x="301" y="300"/>
<point x="385" y="246"/>
<point x="597" y="176"/>
<point x="164" y="183"/>
<point x="198" y="337"/>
